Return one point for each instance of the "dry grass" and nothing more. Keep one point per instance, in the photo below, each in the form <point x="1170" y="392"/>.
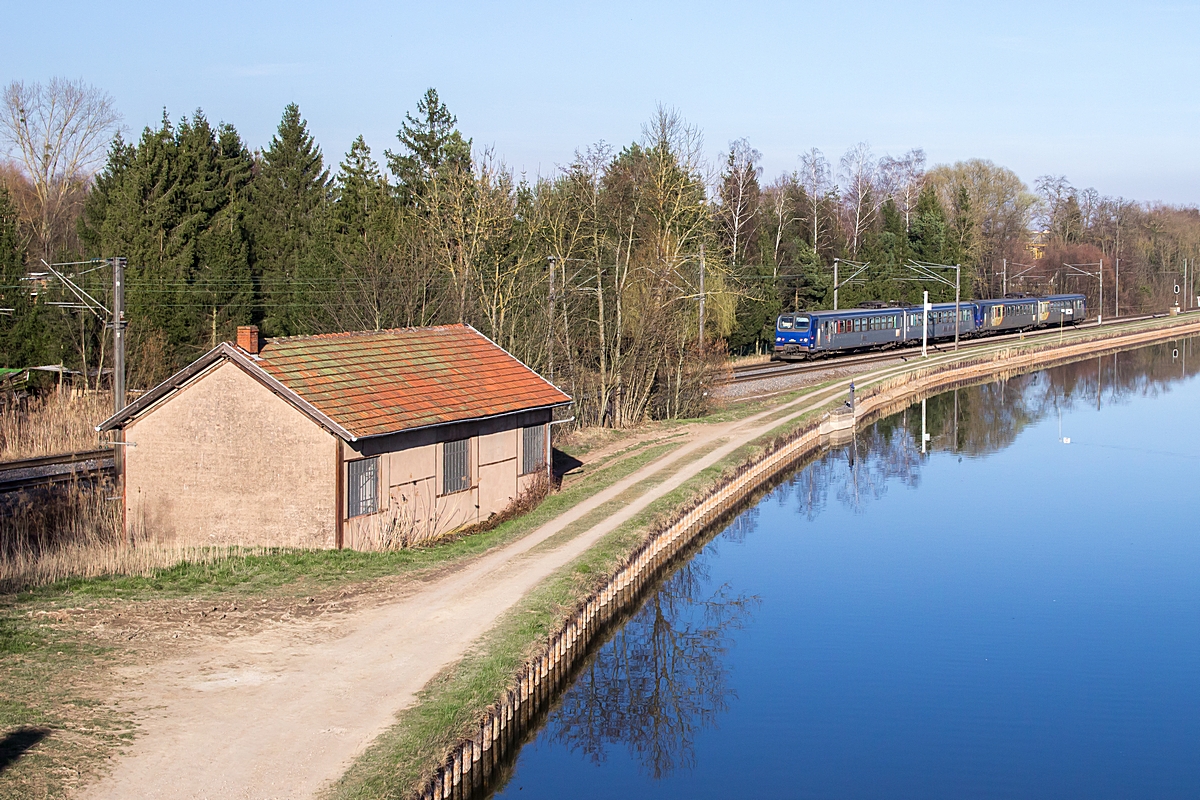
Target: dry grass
<point x="75" y="532"/>
<point x="53" y="423"/>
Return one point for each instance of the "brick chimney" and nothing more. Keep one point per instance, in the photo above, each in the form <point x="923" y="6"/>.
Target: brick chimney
<point x="248" y="338"/>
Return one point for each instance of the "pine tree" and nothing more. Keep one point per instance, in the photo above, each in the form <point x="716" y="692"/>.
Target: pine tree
<point x="174" y="205"/>
<point x="431" y="145"/>
<point x="25" y="335"/>
<point x="927" y="236"/>
<point x="289" y="191"/>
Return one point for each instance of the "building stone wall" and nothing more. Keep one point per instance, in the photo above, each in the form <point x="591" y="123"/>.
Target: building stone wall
<point x="225" y="461"/>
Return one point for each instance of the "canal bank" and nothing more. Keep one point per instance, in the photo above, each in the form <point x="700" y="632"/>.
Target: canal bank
<point x="794" y="435"/>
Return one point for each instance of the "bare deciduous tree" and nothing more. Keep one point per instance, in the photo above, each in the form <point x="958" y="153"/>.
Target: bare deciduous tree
<point x="739" y="194"/>
<point x="862" y="200"/>
<point x="59" y="133"/>
<point x="816" y="182"/>
<point x="903" y="179"/>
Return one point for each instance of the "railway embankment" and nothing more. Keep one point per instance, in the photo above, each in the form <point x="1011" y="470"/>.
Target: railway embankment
<point x="483" y="751"/>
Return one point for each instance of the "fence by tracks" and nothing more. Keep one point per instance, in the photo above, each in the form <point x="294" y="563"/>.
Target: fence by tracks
<point x="475" y="763"/>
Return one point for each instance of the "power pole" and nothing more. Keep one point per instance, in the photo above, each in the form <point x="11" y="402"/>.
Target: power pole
<point x="925" y="327"/>
<point x="957" y="294"/>
<point x="701" y="295"/>
<point x="118" y="265"/>
<point x="1117" y="310"/>
<point x="1004" y="279"/>
<point x="550" y="326"/>
<point x="835" y="285"/>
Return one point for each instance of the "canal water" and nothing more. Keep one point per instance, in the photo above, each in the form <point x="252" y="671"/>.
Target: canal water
<point x="1014" y="612"/>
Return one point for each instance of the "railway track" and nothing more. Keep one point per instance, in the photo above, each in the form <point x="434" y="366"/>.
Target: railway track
<point x="778" y="369"/>
<point x="49" y="471"/>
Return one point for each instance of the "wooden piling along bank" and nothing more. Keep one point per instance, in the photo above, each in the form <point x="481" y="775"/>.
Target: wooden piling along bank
<point x="475" y="762"/>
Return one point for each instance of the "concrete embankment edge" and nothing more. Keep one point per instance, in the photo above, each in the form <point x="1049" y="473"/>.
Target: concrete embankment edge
<point x="476" y="761"/>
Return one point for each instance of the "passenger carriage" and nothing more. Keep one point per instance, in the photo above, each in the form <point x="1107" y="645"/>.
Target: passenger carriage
<point x="802" y="335"/>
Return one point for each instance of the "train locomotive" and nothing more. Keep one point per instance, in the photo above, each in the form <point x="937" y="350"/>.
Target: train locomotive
<point x="801" y="335"/>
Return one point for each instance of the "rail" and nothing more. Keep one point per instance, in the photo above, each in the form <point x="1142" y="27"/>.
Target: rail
<point x="28" y="473"/>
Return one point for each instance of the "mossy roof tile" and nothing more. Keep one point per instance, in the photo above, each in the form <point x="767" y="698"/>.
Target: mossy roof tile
<point x="381" y="382"/>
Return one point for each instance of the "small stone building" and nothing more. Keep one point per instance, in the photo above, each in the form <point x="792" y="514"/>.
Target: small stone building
<point x="361" y="440"/>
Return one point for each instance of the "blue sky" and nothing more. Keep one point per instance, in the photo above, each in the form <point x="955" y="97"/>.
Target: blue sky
<point x="1104" y="93"/>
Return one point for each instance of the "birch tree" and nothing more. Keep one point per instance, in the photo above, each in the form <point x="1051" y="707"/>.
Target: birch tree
<point x="739" y="195"/>
<point x="860" y="195"/>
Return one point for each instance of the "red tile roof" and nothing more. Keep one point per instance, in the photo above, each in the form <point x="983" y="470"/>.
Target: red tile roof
<point x="387" y="381"/>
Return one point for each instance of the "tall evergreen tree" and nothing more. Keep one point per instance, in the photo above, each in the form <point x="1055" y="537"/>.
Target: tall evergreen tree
<point x="26" y="337"/>
<point x="174" y="206"/>
<point x="927" y="237"/>
<point x="431" y="144"/>
<point x="289" y="191"/>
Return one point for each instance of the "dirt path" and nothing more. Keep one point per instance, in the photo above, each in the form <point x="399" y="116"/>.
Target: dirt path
<point x="282" y="712"/>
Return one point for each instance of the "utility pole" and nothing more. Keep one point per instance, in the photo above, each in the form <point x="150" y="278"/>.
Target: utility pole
<point x="1077" y="269"/>
<point x="118" y="265"/>
<point x="1117" y="310"/>
<point x="957" y="295"/>
<point x="1186" y="303"/>
<point x="1004" y="279"/>
<point x="701" y="295"/>
<point x="838" y="285"/>
<point x="550" y="326"/>
<point x="926" y="272"/>
<point x="118" y="323"/>
<point x="925" y="326"/>
<point x="835" y="285"/>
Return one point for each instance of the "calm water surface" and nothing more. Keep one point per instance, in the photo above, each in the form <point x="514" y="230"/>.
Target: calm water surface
<point x="1007" y="615"/>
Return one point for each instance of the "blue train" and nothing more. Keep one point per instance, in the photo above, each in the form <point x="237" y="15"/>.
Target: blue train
<point x="804" y="334"/>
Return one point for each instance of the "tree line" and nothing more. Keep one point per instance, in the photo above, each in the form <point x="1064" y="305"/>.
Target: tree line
<point x="627" y="275"/>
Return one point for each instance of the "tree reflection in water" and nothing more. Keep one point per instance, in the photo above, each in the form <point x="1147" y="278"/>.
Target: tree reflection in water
<point x="977" y="421"/>
<point x="662" y="678"/>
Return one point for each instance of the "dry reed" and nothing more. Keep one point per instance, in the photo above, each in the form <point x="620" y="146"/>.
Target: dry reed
<point x="75" y="532"/>
<point x="57" y="422"/>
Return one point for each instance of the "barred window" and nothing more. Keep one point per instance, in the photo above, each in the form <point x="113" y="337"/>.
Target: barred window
<point x="456" y="466"/>
<point x="363" y="486"/>
<point x="533" y="449"/>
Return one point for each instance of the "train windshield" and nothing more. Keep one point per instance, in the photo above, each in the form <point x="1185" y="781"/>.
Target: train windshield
<point x="788" y="322"/>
